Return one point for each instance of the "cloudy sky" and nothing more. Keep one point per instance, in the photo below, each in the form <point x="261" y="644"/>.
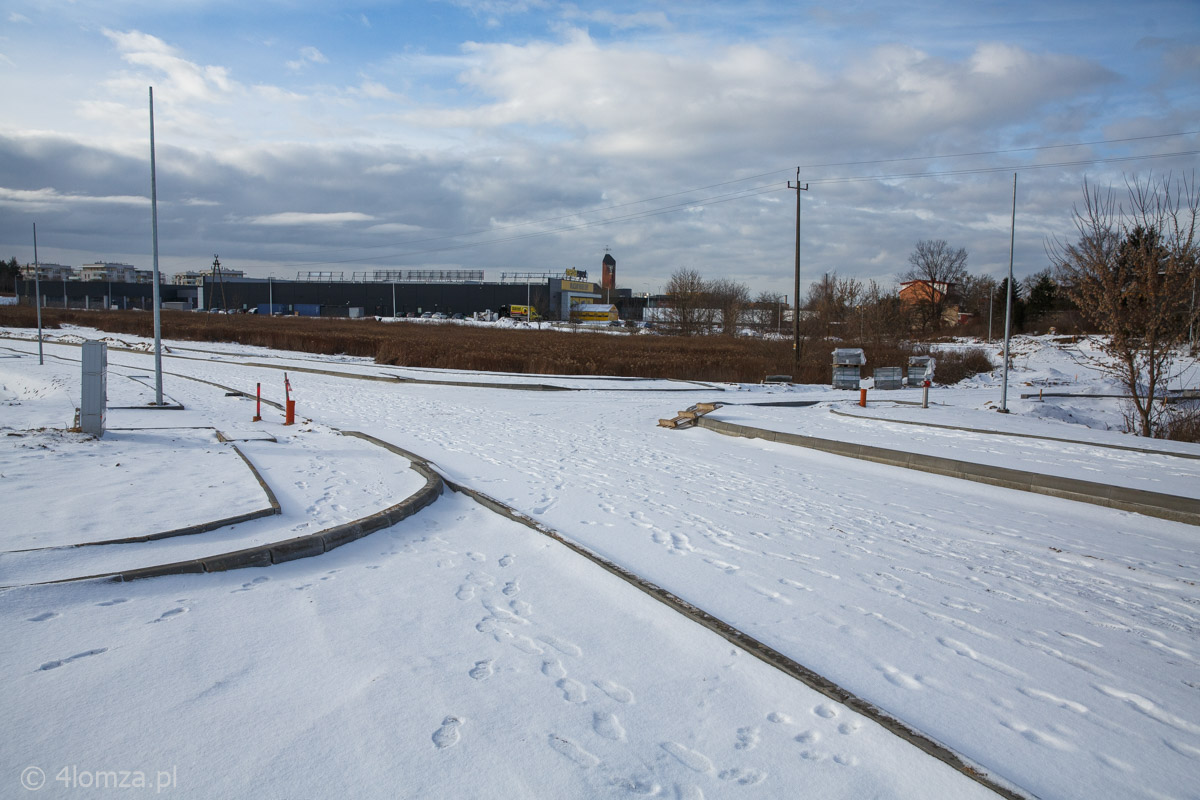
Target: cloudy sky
<point x="530" y="135"/>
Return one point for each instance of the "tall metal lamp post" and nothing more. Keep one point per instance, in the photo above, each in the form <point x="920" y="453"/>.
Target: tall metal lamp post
<point x="1008" y="304"/>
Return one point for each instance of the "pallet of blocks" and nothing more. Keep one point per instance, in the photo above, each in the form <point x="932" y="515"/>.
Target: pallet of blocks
<point x="688" y="417"/>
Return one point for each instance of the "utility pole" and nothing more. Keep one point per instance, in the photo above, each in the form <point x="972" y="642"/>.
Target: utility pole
<point x="37" y="292"/>
<point x="1008" y="305"/>
<point x="796" y="303"/>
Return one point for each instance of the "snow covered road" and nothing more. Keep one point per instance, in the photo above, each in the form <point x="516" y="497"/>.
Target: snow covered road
<point x="1051" y="642"/>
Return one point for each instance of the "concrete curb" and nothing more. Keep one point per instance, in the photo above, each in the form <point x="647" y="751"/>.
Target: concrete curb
<point x="201" y="527"/>
<point x="759" y="650"/>
<point x="313" y="544"/>
<point x="1014" y="434"/>
<point x="1153" y="504"/>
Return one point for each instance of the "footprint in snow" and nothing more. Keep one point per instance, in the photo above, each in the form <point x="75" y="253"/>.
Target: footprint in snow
<point x="170" y="614"/>
<point x="116" y="601"/>
<point x="482" y="670"/>
<point x="56" y="664"/>
<point x="747" y="739"/>
<point x="615" y="691"/>
<point x="447" y="735"/>
<point x="608" y="726"/>
<point x="46" y="615"/>
<point x="573" y="691"/>
<point x="691" y="759"/>
<point x="565" y="747"/>
<point x="743" y="777"/>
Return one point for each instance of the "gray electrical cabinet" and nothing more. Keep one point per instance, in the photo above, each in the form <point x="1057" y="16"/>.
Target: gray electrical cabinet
<point x="94" y="402"/>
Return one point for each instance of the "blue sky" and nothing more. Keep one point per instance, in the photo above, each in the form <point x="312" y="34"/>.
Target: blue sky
<point x="531" y="135"/>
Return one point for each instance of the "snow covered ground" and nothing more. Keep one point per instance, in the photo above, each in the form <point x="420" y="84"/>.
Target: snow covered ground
<point x="1052" y="643"/>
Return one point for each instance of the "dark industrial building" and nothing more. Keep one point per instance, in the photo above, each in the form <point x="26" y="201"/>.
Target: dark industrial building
<point x="371" y="295"/>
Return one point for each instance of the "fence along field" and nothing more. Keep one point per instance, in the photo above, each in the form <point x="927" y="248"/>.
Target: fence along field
<point x="522" y="350"/>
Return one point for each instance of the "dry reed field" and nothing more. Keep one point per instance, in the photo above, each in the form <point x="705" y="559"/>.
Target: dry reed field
<point x="522" y="350"/>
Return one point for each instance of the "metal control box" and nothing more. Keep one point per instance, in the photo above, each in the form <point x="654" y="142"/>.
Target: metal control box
<point x="93" y="403"/>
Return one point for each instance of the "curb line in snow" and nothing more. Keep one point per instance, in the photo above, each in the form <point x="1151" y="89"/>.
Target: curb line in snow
<point x="313" y="544"/>
<point x="1130" y="448"/>
<point x="200" y="527"/>
<point x="749" y="644"/>
<point x="1138" y="501"/>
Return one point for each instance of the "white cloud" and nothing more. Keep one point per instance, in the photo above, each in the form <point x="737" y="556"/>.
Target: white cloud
<point x="310" y="218"/>
<point x="627" y="100"/>
<point x="308" y="55"/>
<point x="639" y="19"/>
<point x="48" y="198"/>
<point x="373" y="90"/>
<point x="184" y="80"/>
<point x="394" y="228"/>
<point x="18" y="18"/>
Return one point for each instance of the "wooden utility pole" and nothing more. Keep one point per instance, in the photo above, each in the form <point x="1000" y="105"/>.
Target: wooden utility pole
<point x="796" y="295"/>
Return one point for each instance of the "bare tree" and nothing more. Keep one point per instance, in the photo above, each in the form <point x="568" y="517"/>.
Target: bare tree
<point x="831" y="301"/>
<point x="730" y="298"/>
<point x="1131" y="273"/>
<point x="937" y="270"/>
<point x="882" y="315"/>
<point x="689" y="312"/>
<point x="768" y="312"/>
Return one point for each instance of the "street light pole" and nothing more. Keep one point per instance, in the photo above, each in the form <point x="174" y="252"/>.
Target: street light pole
<point x="796" y="305"/>
<point x="37" y="292"/>
<point x="1008" y="304"/>
<point x="158" y="392"/>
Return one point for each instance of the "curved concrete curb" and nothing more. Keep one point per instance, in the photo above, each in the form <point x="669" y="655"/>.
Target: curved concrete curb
<point x="1014" y="434"/>
<point x="202" y="527"/>
<point x="763" y="652"/>
<point x="1153" y="504"/>
<point x="313" y="544"/>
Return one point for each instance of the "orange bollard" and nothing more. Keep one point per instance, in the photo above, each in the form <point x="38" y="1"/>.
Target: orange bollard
<point x="290" y="404"/>
<point x="862" y="397"/>
<point x="258" y="405"/>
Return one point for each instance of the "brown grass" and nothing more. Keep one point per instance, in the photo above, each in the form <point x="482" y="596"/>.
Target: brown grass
<point x="449" y="346"/>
